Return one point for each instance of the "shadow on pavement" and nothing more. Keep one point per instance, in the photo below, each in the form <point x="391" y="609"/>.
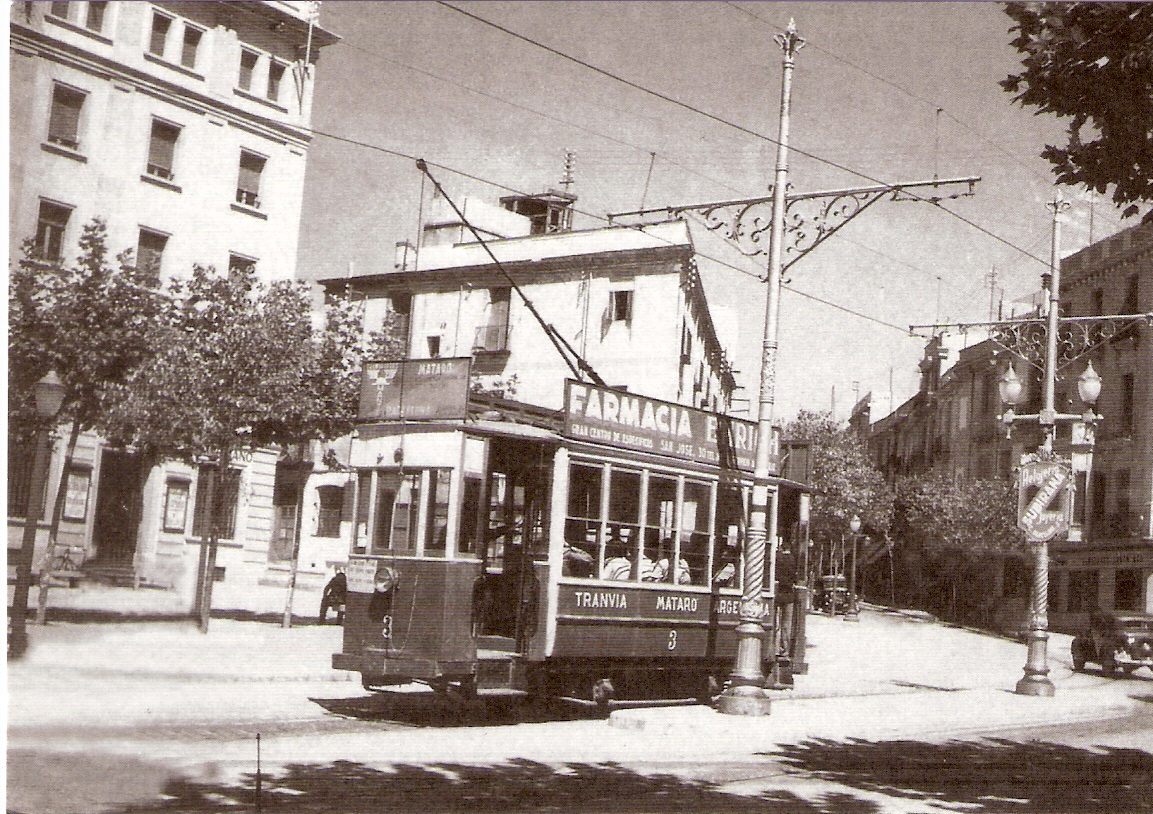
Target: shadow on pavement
<point x="427" y="709"/>
<point x="519" y="785"/>
<point x="986" y="776"/>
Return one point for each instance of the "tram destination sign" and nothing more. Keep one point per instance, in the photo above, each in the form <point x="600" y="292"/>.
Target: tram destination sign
<point x="414" y="389"/>
<point x="630" y="421"/>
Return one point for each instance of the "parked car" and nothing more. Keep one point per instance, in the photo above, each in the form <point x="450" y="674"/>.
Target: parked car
<point x="1115" y="640"/>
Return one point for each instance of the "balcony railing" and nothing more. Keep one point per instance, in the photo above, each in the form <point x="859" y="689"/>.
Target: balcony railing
<point x="491" y="338"/>
<point x="247" y="197"/>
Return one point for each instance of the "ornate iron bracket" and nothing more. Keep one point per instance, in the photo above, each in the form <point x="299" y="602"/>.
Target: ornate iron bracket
<point x="1076" y="336"/>
<point x="811" y="218"/>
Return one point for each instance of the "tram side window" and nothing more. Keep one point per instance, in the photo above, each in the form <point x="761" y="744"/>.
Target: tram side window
<point x="728" y="537"/>
<point x="620" y="554"/>
<point x="659" y="553"/>
<point x="694" y="534"/>
<point x="583" y="522"/>
<point x="436" y="525"/>
<point x="471" y="518"/>
<point x="397" y="504"/>
<point x="363" y="499"/>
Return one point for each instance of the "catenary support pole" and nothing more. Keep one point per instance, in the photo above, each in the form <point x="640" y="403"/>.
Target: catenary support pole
<point x="746" y="694"/>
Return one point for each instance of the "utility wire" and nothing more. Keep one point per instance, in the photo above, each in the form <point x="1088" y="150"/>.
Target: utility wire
<point x="723" y="263"/>
<point x="733" y="125"/>
<point x="883" y="80"/>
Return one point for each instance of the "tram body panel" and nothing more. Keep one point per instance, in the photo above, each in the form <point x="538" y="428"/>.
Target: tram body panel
<point x="420" y="629"/>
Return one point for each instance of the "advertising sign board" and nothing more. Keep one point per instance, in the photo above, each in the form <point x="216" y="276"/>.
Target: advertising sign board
<point x="630" y="421"/>
<point x="414" y="389"/>
<point x="1045" y="499"/>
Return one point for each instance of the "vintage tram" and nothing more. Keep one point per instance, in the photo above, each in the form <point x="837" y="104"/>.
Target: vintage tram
<point x="590" y="553"/>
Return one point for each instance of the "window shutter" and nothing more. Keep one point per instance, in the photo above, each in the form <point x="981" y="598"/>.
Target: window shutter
<point x="251" y="166"/>
<point x="162" y="147"/>
<point x="64" y="122"/>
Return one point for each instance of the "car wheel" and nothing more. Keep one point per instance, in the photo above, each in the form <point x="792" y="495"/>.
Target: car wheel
<point x="1078" y="662"/>
<point x="1128" y="668"/>
<point x="1108" y="666"/>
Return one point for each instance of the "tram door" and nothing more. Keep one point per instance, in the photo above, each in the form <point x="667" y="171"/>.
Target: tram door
<point x="517" y="493"/>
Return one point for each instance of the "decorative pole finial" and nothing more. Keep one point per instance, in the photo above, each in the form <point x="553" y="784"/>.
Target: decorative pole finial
<point x="790" y="41"/>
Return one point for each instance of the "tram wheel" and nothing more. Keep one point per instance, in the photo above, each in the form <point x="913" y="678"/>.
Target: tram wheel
<point x="709" y="692"/>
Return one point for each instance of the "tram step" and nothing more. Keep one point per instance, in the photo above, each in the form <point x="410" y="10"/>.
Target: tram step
<point x="504" y="672"/>
<point x="502" y="644"/>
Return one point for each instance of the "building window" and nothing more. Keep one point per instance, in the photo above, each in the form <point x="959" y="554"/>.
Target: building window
<point x="162" y="149"/>
<point x="331" y="510"/>
<point x="621" y="306"/>
<point x="493" y="336"/>
<point x="1082" y="594"/>
<point x="175" y="505"/>
<point x="248" y="180"/>
<point x="239" y="264"/>
<point x="1132" y="288"/>
<point x="1098" y="302"/>
<point x="247" y="68"/>
<point x="191" y="45"/>
<point x="150" y="249"/>
<point x="1127" y="590"/>
<point x="275" y="75"/>
<point x="21" y="457"/>
<point x="64" y="119"/>
<point x="160" y="25"/>
<point x="51" y="223"/>
<point x="686" y="344"/>
<point x="1121" y="512"/>
<point x="227" y="496"/>
<point x="59" y="10"/>
<point x="1125" y="413"/>
<point x="94" y="20"/>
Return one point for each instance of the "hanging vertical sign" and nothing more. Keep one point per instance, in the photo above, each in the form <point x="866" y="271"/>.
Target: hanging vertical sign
<point x="414" y="389"/>
<point x="1044" y="499"/>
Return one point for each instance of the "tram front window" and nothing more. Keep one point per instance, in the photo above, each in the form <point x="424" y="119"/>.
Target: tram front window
<point x="397" y="504"/>
<point x="728" y="537"/>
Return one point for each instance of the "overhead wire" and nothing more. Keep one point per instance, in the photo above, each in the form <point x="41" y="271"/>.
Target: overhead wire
<point x="738" y="127"/>
<point x="533" y="111"/>
<point x="755" y="275"/>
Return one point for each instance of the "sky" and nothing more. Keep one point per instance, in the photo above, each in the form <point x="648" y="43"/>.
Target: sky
<point x="882" y="92"/>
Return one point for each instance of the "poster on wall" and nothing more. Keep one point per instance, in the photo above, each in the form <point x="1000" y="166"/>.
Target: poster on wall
<point x="76" y="497"/>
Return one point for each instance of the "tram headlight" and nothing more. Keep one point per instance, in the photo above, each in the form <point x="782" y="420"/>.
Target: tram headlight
<point x="386" y="578"/>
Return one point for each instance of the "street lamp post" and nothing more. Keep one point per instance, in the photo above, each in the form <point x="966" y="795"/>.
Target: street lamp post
<point x="49" y="396"/>
<point x="851" y="613"/>
<point x="746" y="693"/>
<point x="1036" y="680"/>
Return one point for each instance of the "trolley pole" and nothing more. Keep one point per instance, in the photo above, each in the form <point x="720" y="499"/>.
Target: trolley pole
<point x="746" y="693"/>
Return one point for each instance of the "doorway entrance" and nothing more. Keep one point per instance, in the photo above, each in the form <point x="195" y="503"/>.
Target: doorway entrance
<point x="118" y="507"/>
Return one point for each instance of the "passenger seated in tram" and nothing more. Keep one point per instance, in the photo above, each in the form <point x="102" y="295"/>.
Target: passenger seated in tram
<point x="576" y="561"/>
<point x="661" y="570"/>
<point x="618" y="564"/>
<point x="728" y="555"/>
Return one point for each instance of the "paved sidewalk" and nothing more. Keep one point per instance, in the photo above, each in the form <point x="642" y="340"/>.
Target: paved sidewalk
<point x="231" y="650"/>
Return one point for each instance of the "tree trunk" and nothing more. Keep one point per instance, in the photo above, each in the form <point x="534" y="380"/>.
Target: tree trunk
<point x="207" y="574"/>
<point x="54" y="527"/>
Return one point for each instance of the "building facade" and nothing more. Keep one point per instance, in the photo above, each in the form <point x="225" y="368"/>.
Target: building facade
<point x="627" y="300"/>
<point x="1111" y="566"/>
<point x="184" y="126"/>
<point x="952" y="423"/>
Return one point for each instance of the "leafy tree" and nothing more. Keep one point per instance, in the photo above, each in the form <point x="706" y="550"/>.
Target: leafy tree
<point x="239" y="366"/>
<point x="952" y="529"/>
<point x="846" y="481"/>
<point x="90" y="322"/>
<point x="1092" y="62"/>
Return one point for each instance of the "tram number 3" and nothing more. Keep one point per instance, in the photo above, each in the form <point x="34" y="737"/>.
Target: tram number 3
<point x="386" y="627"/>
<point x="672" y="640"/>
